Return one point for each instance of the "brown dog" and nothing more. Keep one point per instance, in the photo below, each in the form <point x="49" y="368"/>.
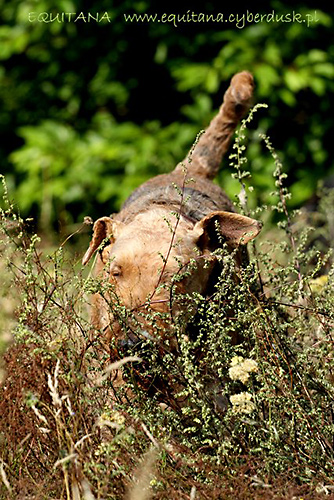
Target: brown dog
<point x="168" y="222"/>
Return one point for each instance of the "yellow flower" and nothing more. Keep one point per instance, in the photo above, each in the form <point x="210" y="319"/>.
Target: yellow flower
<point x="241" y="368"/>
<point x="113" y="416"/>
<point x="236" y="360"/>
<point x="242" y="403"/>
<point x="317" y="284"/>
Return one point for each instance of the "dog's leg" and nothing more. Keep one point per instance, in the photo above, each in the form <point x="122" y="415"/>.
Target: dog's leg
<point x="213" y="144"/>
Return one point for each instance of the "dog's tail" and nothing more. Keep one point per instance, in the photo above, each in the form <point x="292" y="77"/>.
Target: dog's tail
<point x="213" y="144"/>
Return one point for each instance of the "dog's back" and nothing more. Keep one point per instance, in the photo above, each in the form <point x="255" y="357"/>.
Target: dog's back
<point x="199" y="196"/>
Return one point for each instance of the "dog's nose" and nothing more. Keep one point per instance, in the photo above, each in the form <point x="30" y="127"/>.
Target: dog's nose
<point x="133" y="342"/>
<point x="128" y="343"/>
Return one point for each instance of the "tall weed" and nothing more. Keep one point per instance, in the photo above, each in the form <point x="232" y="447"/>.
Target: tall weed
<point x="214" y="418"/>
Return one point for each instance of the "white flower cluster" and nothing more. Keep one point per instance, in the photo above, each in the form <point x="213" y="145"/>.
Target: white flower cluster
<point x="242" y="368"/>
<point x="242" y="403"/>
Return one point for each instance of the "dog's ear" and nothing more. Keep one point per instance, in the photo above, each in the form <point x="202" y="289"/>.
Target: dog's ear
<point x="218" y="227"/>
<point x="104" y="228"/>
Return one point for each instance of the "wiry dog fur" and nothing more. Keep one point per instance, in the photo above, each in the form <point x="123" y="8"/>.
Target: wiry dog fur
<point x="168" y="221"/>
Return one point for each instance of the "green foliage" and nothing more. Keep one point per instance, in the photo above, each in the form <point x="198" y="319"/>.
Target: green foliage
<point x="85" y="104"/>
<point x="62" y="168"/>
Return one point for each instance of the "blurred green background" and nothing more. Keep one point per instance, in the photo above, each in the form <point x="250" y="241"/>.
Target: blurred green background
<point x="89" y="110"/>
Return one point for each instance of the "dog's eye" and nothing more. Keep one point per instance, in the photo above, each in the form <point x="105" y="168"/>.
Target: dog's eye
<point x="115" y="271"/>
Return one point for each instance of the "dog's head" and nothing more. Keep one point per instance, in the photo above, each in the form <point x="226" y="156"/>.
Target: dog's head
<point x="159" y="256"/>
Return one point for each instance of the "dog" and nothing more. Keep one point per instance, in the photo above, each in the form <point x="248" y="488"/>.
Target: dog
<point x="169" y="225"/>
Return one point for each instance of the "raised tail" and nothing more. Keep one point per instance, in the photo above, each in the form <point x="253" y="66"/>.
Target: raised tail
<point x="213" y="144"/>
